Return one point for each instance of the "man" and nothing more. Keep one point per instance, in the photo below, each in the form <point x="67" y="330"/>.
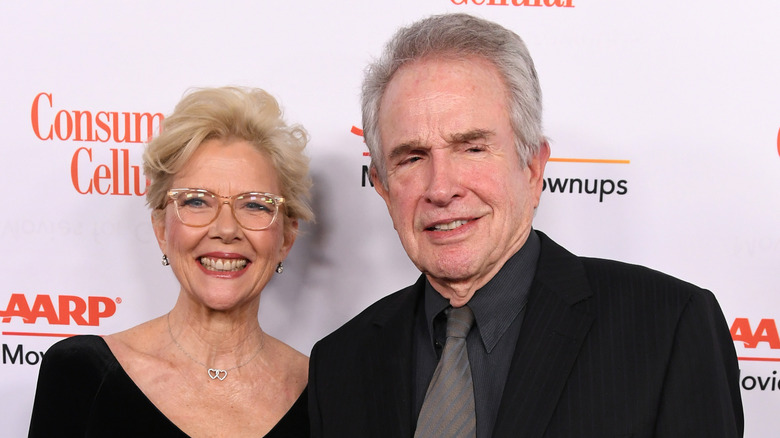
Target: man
<point x="557" y="345"/>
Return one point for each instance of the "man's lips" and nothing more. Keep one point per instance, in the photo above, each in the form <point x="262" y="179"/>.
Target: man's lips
<point x="448" y="226"/>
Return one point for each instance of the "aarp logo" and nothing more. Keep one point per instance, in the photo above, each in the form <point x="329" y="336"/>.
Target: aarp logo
<point x="756" y="340"/>
<point x="58" y="309"/>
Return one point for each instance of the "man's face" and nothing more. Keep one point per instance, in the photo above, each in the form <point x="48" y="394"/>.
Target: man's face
<point x="460" y="199"/>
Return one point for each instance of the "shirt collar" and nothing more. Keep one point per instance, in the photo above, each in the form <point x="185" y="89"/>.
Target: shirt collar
<point x="498" y="302"/>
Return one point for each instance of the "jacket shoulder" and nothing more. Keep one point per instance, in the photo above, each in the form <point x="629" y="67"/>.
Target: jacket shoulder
<point x="620" y="277"/>
<point x="376" y="314"/>
<point x="578" y="278"/>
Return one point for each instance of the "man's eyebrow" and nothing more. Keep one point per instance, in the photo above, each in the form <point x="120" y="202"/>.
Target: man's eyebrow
<point x="404" y="148"/>
<point x="470" y="136"/>
<point x="457" y="138"/>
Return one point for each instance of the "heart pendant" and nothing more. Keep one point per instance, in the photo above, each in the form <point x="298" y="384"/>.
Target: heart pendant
<point x="217" y="374"/>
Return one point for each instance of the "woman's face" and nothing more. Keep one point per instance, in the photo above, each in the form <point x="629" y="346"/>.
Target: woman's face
<point x="223" y="265"/>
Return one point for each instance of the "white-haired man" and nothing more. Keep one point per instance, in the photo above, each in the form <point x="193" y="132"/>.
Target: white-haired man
<point x="555" y="345"/>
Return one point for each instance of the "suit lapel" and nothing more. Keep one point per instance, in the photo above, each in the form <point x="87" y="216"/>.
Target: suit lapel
<point x="390" y="380"/>
<point x="554" y="327"/>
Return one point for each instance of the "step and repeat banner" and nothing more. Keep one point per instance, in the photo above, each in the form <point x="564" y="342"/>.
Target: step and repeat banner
<point x="663" y="116"/>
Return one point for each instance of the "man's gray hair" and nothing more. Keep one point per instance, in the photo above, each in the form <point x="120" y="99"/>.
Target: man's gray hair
<point x="458" y="36"/>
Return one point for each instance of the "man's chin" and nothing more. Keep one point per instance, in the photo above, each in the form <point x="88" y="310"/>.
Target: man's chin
<point x="460" y="281"/>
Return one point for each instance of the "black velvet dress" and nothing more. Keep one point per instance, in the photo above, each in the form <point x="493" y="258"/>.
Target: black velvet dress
<point x="84" y="392"/>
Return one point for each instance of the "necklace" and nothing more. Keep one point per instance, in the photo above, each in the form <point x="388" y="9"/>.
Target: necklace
<point x="214" y="373"/>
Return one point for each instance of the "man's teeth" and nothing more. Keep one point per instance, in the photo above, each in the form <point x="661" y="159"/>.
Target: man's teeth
<point x="222" y="264"/>
<point x="450" y="226"/>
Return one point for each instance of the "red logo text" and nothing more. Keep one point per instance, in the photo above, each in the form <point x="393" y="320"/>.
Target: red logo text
<point x="115" y="178"/>
<point x="82" y="125"/>
<point x="765" y="331"/>
<point x="93" y="172"/>
<point x="65" y="310"/>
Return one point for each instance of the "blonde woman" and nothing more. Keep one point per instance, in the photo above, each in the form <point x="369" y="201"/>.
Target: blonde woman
<point x="229" y="183"/>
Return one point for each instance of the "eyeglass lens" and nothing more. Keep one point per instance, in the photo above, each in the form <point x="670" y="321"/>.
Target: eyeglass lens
<point x="199" y="208"/>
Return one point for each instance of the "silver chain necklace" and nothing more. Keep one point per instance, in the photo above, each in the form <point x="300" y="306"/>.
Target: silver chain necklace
<point x="214" y="373"/>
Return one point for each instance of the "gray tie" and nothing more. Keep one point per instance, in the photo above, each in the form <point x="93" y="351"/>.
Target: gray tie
<point x="448" y="409"/>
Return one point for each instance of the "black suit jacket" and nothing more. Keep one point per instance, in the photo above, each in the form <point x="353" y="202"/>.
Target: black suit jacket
<point x="606" y="349"/>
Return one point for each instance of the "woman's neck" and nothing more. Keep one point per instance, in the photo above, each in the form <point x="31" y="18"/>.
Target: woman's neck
<point x="215" y="339"/>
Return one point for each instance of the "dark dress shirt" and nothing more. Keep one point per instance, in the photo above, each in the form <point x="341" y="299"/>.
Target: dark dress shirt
<point x="498" y="314"/>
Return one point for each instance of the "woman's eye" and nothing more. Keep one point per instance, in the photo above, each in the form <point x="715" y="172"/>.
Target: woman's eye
<point x="256" y="206"/>
<point x="194" y="203"/>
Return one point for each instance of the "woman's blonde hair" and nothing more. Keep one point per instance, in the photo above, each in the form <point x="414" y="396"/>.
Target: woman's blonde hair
<point x="229" y="113"/>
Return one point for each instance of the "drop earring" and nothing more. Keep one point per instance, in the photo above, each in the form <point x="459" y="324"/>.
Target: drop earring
<point x="279" y="268"/>
<point x="165" y="261"/>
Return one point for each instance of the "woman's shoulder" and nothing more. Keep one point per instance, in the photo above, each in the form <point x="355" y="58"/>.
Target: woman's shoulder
<point x="71" y="373"/>
<point x="141" y="339"/>
<point x="289" y="362"/>
<point x="83" y="352"/>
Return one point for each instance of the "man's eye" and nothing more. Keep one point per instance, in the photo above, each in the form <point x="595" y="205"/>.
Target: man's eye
<point x="410" y="160"/>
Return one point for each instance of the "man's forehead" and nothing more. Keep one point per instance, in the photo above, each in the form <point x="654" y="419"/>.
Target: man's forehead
<point x="439" y="101"/>
<point x="432" y="67"/>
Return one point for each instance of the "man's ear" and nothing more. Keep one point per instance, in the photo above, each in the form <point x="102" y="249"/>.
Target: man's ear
<point x="536" y="171"/>
<point x="379" y="187"/>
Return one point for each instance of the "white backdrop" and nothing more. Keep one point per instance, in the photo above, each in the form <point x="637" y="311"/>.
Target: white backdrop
<point x="685" y="94"/>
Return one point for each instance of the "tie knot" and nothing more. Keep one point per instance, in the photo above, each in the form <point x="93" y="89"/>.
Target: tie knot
<point x="459" y="322"/>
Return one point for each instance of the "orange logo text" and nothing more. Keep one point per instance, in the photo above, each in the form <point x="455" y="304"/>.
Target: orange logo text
<point x="115" y="178"/>
<point x="765" y="331"/>
<point x="82" y="125"/>
<point x="65" y="310"/>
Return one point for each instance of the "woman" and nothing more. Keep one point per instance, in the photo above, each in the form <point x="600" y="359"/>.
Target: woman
<point x="228" y="186"/>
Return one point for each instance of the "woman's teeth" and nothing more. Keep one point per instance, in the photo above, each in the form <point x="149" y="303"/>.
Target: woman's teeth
<point x="222" y="264"/>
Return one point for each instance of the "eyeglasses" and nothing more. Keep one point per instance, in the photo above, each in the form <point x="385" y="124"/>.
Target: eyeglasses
<point x="199" y="207"/>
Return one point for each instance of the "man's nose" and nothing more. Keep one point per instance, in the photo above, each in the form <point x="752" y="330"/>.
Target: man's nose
<point x="444" y="181"/>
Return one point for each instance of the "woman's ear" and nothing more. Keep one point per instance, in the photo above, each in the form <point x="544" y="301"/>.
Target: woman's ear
<point x="290" y="233"/>
<point x="158" y="224"/>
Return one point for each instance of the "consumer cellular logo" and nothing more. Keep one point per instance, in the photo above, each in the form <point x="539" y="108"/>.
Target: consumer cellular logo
<point x="93" y="170"/>
<point x="49" y="122"/>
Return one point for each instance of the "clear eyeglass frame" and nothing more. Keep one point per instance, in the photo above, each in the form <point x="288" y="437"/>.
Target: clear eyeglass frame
<point x="269" y="199"/>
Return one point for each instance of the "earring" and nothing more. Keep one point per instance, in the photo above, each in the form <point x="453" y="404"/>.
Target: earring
<point x="165" y="261"/>
<point x="279" y="268"/>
